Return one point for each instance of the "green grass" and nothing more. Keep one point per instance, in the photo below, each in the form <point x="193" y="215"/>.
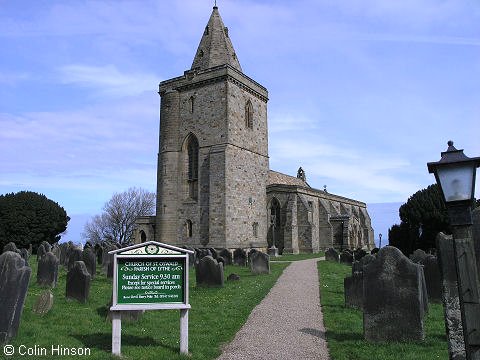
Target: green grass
<point x="297" y="257"/>
<point x="345" y="326"/>
<point x="216" y="315"/>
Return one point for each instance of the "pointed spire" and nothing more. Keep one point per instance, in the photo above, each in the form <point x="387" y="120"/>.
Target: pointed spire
<point x="215" y="47"/>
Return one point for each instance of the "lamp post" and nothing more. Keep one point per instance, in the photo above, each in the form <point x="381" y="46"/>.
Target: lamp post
<point x="455" y="176"/>
<point x="380" y="244"/>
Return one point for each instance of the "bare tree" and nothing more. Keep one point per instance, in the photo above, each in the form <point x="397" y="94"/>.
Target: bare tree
<point x="117" y="221"/>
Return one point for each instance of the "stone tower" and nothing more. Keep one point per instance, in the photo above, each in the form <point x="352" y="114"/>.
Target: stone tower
<point x="213" y="151"/>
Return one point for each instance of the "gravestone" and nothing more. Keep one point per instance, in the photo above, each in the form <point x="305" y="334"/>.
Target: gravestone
<point x="24" y="254"/>
<point x="233" y="277"/>
<point x="346" y="257"/>
<point x="63" y="254"/>
<point x="331" y="255"/>
<point x="41" y="252"/>
<point x="418" y="256"/>
<point x="75" y="254"/>
<point x="99" y="253"/>
<point x="250" y="253"/>
<point x="90" y="261"/>
<point x="107" y="261"/>
<point x="432" y="278"/>
<point x="221" y="260"/>
<point x="374" y="251"/>
<point x="11" y="247"/>
<point x="213" y="252"/>
<point x="260" y="263"/>
<point x="353" y="285"/>
<point x="78" y="282"/>
<point x="209" y="272"/>
<point x="227" y="255"/>
<point x="47" y="272"/>
<point x="359" y="253"/>
<point x="239" y="257"/>
<point x="353" y="290"/>
<point x="393" y="306"/>
<point x="46" y="246"/>
<point x="14" y="277"/>
<point x="44" y="303"/>
<point x="201" y="253"/>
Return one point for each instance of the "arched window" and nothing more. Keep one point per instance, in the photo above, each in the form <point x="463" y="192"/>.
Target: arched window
<point x="249" y="115"/>
<point x="143" y="236"/>
<point x="192" y="167"/>
<point x="189" y="228"/>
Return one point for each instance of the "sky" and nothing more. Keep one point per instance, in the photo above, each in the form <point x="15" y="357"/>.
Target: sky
<point x="362" y="93"/>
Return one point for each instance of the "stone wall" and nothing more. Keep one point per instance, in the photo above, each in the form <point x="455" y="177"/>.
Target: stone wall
<point x="233" y="160"/>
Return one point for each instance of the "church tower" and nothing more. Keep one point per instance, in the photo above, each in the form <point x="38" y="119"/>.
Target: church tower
<point x="213" y="151"/>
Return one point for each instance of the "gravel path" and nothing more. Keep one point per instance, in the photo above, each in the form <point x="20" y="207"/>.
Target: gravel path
<point x="287" y="324"/>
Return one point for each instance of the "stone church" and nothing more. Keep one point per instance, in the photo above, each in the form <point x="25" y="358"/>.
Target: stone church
<point x="214" y="185"/>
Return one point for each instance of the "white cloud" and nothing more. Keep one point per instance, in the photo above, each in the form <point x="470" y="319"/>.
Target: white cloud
<point x="108" y="80"/>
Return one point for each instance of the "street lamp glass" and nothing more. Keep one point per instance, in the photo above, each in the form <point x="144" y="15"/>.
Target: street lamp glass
<point x="456" y="181"/>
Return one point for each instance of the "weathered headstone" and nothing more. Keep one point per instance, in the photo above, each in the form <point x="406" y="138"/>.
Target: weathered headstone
<point x="353" y="285"/>
<point x="374" y="251"/>
<point x="432" y="278"/>
<point x="353" y="290"/>
<point x="41" y="252"/>
<point x="99" y="253"/>
<point x="233" y="277"/>
<point x="75" y="254"/>
<point x="331" y="255"/>
<point x="346" y="257"/>
<point x="239" y="257"/>
<point x="10" y="247"/>
<point x="227" y="255"/>
<point x="418" y="256"/>
<point x="47" y="246"/>
<point x="47" y="272"/>
<point x="260" y="263"/>
<point x="90" y="261"/>
<point x="44" y="303"/>
<point x="24" y="254"/>
<point x="209" y="272"/>
<point x="393" y="307"/>
<point x="14" y="277"/>
<point x="78" y="282"/>
<point x="359" y="253"/>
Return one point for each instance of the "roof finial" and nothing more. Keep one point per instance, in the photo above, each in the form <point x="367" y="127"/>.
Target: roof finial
<point x="215" y="5"/>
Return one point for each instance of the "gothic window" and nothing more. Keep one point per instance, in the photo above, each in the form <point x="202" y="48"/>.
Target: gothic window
<point x="143" y="236"/>
<point x="190" y="104"/>
<point x="206" y="30"/>
<point x="189" y="228"/>
<point x="249" y="115"/>
<point x="192" y="167"/>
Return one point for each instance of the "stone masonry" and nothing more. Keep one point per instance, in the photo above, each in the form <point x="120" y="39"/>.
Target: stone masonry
<point x="214" y="186"/>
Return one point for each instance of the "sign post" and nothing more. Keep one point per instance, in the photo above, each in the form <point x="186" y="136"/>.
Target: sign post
<point x="150" y="276"/>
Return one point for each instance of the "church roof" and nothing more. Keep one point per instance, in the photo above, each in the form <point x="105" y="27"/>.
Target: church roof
<point x="275" y="177"/>
<point x="215" y="47"/>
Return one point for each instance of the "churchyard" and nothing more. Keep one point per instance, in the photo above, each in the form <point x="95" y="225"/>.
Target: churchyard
<point x="345" y="325"/>
<point x="217" y="314"/>
<point x="66" y="309"/>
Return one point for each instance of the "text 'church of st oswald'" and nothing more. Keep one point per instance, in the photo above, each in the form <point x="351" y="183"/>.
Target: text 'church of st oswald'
<point x="214" y="185"/>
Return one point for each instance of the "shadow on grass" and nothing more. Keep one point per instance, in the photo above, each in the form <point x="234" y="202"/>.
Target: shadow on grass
<point x="344" y="336"/>
<point x="103" y="341"/>
<point x="315" y="332"/>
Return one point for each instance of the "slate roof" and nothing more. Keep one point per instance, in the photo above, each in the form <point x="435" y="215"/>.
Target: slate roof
<point x="275" y="177"/>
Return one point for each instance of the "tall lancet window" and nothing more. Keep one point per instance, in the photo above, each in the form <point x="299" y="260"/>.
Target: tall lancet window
<point x="190" y="104"/>
<point x="249" y="115"/>
<point x="192" y="170"/>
